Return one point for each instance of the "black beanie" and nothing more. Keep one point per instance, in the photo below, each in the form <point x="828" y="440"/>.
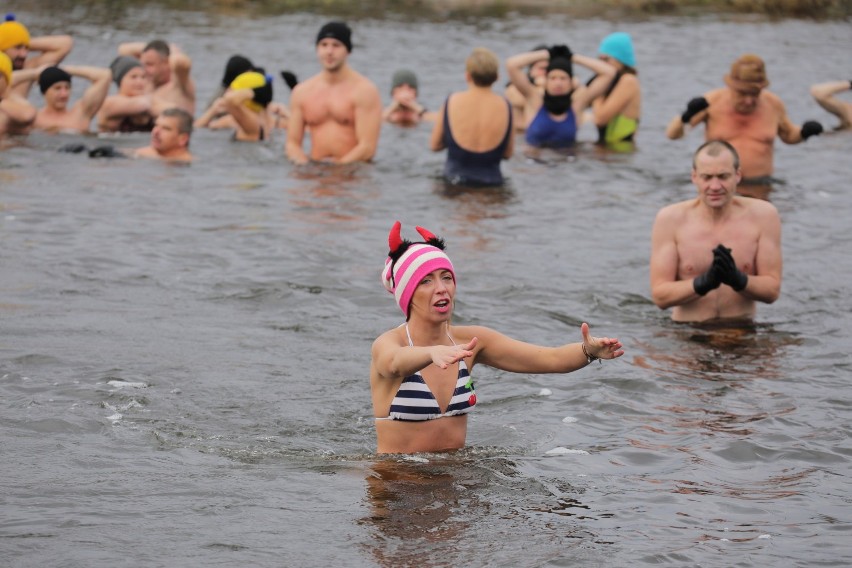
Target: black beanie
<point x="339" y="31"/>
<point x="50" y="76"/>
<point x="561" y="63"/>
<point x="236" y="65"/>
<point x="263" y="94"/>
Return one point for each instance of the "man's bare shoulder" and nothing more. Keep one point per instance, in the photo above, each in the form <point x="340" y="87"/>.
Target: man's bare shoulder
<point x="773" y="101"/>
<point x="756" y="207"/>
<point x="717" y="95"/>
<point x="675" y="211"/>
<point x="308" y="85"/>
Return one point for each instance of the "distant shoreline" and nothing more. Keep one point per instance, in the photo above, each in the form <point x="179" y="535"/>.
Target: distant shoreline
<point x="461" y="9"/>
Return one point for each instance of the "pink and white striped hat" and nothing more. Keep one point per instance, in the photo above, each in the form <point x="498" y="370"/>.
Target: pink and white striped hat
<point x="408" y="263"/>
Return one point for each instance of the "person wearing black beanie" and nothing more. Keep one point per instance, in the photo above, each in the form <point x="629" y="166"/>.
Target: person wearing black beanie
<point x="343" y="107"/>
<point x="55" y="85"/>
<point x="553" y="115"/>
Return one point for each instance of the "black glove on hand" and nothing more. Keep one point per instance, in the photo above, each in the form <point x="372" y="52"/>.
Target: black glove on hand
<point x="693" y="107"/>
<point x="560" y="51"/>
<point x="811" y="128"/>
<point x="290" y="79"/>
<point x="710" y="280"/>
<point x="73" y="148"/>
<point x="727" y="269"/>
<point x="105" y="152"/>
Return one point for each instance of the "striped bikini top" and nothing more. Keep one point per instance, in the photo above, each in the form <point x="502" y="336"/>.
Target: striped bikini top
<point x="414" y="401"/>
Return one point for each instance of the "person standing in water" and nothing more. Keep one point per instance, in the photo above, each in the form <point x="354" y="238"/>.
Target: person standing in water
<point x="420" y="372"/>
<point x="748" y="116"/>
<point x="341" y="108"/>
<point x="475" y="126"/>
<point x="714" y="256"/>
<point x="554" y="115"/>
<point x="616" y="112"/>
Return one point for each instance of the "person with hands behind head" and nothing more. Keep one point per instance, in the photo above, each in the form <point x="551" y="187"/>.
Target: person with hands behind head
<point x="714" y="256"/>
<point x="130" y="109"/>
<point x="167" y="69"/>
<point x="824" y="94"/>
<point x="554" y="115"/>
<point x="420" y="372"/>
<point x="28" y="52"/>
<point x="55" y="85"/>
<point x="243" y="108"/>
<point x="747" y="116"/>
<point x="616" y="112"/>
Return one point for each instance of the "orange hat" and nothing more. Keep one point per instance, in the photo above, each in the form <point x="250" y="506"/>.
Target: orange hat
<point x="13" y="33"/>
<point x="748" y="74"/>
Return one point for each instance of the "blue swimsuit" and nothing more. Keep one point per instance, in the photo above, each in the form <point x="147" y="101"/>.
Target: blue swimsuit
<point x="415" y="402"/>
<point x="544" y="132"/>
<point x="464" y="167"/>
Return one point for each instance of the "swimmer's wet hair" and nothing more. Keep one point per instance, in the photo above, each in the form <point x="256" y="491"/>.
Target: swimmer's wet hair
<point x="483" y="67"/>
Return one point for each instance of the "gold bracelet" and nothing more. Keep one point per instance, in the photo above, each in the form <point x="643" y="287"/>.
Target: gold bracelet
<point x="589" y="358"/>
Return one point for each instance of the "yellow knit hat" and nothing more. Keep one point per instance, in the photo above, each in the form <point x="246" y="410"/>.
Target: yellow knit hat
<point x="6" y="68"/>
<point x="13" y="33"/>
<point x="250" y="80"/>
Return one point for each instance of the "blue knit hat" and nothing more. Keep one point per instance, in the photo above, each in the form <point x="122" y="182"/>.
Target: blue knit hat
<point x="619" y="46"/>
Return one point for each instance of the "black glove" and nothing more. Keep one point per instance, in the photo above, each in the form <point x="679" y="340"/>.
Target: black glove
<point x="290" y="79"/>
<point x="73" y="148"/>
<point x="693" y="107"/>
<point x="811" y="128"/>
<point x="105" y="152"/>
<point x="559" y="51"/>
<point x="710" y="280"/>
<point x="727" y="269"/>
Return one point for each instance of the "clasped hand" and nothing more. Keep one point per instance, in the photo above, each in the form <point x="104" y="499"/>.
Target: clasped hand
<point x="723" y="271"/>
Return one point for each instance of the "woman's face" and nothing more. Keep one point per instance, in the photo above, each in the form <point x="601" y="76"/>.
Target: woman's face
<point x="433" y="298"/>
<point x="558" y="82"/>
<point x="134" y="82"/>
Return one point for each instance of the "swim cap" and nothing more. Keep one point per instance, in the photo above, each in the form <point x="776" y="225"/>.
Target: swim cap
<point x="13" y="33"/>
<point x="6" y="68"/>
<point x="51" y="76"/>
<point x="748" y="74"/>
<point x="121" y="65"/>
<point x="254" y="80"/>
<point x="236" y="64"/>
<point x="404" y="77"/>
<point x="339" y="31"/>
<point x="561" y="63"/>
<point x="619" y="46"/>
<point x="408" y="263"/>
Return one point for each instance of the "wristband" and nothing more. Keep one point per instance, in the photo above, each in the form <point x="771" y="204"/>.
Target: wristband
<point x="589" y="358"/>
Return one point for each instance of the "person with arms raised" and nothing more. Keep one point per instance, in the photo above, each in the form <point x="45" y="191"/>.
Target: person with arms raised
<point x="420" y="372"/>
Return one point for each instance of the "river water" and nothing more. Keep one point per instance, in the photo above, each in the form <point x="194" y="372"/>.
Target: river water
<point x="184" y="351"/>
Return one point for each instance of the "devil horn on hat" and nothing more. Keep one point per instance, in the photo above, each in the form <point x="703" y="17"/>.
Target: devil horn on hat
<point x="395" y="237"/>
<point x="397" y="244"/>
<point x="430" y="238"/>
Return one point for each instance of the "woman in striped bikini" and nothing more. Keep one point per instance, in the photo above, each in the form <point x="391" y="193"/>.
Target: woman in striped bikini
<point x="420" y="371"/>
